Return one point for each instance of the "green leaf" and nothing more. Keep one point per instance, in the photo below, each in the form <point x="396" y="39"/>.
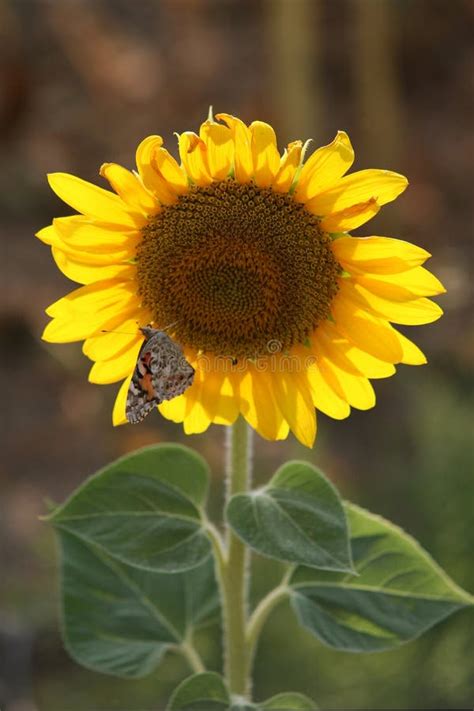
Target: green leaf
<point x="208" y="692"/>
<point x="201" y="692"/>
<point x="289" y="701"/>
<point x="143" y="509"/>
<point x="399" y="591"/>
<point x="119" y="619"/>
<point x="298" y="517"/>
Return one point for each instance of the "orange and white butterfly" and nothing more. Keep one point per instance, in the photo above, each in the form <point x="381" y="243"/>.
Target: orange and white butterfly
<point x="161" y="373"/>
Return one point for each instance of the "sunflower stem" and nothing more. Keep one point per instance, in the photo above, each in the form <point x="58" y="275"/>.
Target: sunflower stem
<point x="233" y="572"/>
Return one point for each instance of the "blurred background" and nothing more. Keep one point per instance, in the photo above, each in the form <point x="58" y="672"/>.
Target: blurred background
<point x="82" y="82"/>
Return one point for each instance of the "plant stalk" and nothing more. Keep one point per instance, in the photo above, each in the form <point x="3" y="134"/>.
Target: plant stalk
<point x="260" y="616"/>
<point x="234" y="571"/>
<point x="192" y="657"/>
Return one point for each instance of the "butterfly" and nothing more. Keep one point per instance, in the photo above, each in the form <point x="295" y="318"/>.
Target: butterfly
<point x="161" y="373"/>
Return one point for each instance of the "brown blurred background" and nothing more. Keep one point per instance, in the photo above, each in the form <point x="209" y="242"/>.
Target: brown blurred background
<point x="82" y="82"/>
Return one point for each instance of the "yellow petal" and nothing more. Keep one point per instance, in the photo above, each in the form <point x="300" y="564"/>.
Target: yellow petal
<point x="368" y="365"/>
<point x="324" y="167"/>
<point x="81" y="234"/>
<point x="75" y="252"/>
<point x="175" y="409"/>
<point x="331" y="381"/>
<point x="220" y="149"/>
<point x="351" y="217"/>
<point x="243" y="160"/>
<point x="107" y="346"/>
<point x="49" y="235"/>
<point x="324" y="398"/>
<point x="356" y="390"/>
<point x="328" y="345"/>
<point x="293" y="397"/>
<point x="171" y="171"/>
<point x="91" y="259"/>
<point x="58" y="331"/>
<point x="92" y="298"/>
<point x="380" y="185"/>
<point x="367" y="332"/>
<point x="129" y="188"/>
<point x="365" y="363"/>
<point x="218" y="398"/>
<point x="229" y="402"/>
<point x="78" y="234"/>
<point x="118" y="414"/>
<point x="193" y="154"/>
<point x="110" y="371"/>
<point x="289" y="164"/>
<point x="412" y="355"/>
<point x="411" y="313"/>
<point x="67" y="330"/>
<point x="258" y="405"/>
<point x="266" y="159"/>
<point x="196" y="419"/>
<point x="283" y="430"/>
<point x="84" y="273"/>
<point x="403" y="286"/>
<point x="330" y="355"/>
<point x="359" y="391"/>
<point x="151" y="177"/>
<point x="93" y="201"/>
<point x="378" y="255"/>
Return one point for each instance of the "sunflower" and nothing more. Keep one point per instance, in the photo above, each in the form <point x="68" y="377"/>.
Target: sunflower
<point x="247" y="254"/>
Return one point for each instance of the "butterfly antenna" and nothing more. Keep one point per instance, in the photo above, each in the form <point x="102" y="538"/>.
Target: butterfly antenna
<point x="169" y="326"/>
<point x="124" y="333"/>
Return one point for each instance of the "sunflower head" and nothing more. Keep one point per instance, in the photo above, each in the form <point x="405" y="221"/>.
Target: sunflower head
<point x="244" y="254"/>
<point x="237" y="266"/>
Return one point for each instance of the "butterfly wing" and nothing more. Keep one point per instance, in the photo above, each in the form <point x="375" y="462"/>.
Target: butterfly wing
<point x="141" y="396"/>
<point x="171" y="372"/>
<point x="161" y="373"/>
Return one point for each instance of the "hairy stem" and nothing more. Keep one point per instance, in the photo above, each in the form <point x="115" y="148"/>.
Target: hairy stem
<point x="261" y="614"/>
<point x="192" y="657"/>
<point x="233" y="570"/>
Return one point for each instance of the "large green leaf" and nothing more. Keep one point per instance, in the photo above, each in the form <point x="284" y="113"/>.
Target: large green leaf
<point x="298" y="517"/>
<point x="399" y="591"/>
<point x="119" y="619"/>
<point x="143" y="509"/>
<point x="208" y="692"/>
